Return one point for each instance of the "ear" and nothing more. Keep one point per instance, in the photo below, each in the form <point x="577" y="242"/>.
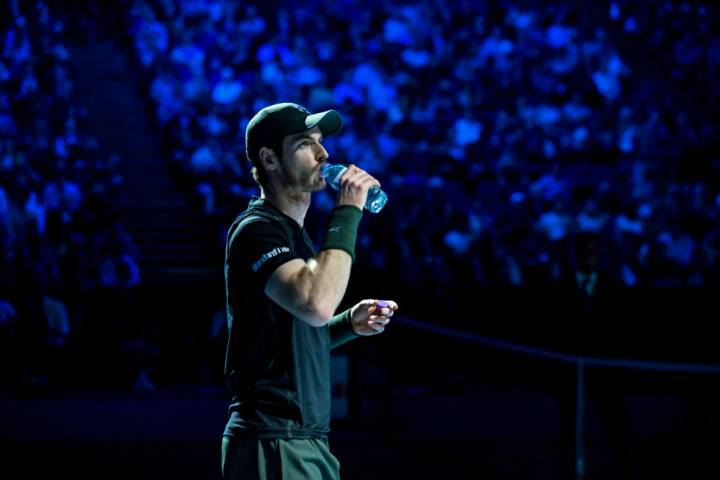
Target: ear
<point x="268" y="159"/>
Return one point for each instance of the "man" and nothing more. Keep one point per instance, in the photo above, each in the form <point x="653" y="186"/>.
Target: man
<point x="588" y="304"/>
<point x="281" y="298"/>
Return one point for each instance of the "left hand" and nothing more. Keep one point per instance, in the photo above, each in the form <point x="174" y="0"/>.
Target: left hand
<point x="369" y="317"/>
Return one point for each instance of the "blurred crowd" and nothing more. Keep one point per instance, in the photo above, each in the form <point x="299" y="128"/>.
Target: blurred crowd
<point x="503" y="132"/>
<point x="61" y="234"/>
<point x="500" y="130"/>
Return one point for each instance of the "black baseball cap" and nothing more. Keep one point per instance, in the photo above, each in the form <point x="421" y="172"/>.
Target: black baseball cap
<point x="271" y="124"/>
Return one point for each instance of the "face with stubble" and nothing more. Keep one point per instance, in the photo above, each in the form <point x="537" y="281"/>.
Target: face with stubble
<point x="303" y="157"/>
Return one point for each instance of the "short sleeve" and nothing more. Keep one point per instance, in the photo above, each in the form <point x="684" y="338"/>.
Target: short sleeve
<point x="258" y="248"/>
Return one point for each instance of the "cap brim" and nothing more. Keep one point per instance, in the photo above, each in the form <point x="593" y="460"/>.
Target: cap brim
<point x="329" y="122"/>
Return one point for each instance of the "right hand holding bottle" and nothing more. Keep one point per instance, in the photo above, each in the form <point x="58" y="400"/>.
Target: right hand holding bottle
<point x="354" y="185"/>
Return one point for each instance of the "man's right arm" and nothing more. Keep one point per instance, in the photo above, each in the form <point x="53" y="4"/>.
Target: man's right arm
<point x="263" y="252"/>
<point x="311" y="290"/>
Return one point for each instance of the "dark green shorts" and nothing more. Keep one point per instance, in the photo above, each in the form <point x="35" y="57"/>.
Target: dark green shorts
<point x="278" y="459"/>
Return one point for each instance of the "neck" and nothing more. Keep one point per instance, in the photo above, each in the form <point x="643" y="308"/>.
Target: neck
<point x="294" y="205"/>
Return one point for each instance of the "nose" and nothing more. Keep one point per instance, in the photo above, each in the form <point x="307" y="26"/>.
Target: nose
<point x="322" y="154"/>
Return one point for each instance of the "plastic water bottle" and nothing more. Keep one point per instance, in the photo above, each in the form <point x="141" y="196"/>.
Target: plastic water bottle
<point x="376" y="198"/>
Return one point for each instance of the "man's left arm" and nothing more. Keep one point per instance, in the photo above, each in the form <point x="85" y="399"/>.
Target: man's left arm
<point x="368" y="317"/>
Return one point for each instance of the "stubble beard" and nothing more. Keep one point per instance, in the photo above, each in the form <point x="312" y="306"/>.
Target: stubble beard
<point x="305" y="183"/>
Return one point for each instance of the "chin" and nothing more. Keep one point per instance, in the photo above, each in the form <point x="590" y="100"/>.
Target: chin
<point x="320" y="184"/>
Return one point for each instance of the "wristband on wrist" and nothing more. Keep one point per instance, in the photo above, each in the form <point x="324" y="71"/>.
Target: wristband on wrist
<point x="341" y="329"/>
<point x="342" y="229"/>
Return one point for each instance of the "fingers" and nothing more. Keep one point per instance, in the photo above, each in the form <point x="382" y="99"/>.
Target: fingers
<point x="381" y="310"/>
<point x="378" y="322"/>
<point x="379" y="319"/>
<point x="386" y="307"/>
<point x="385" y="312"/>
<point x="358" y="178"/>
<point x="354" y="186"/>
<point x="378" y="314"/>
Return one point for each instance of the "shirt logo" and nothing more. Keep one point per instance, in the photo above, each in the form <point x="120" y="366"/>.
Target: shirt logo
<point x="267" y="256"/>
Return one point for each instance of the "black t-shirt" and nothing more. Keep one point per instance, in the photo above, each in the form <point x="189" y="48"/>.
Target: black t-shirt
<point x="277" y="366"/>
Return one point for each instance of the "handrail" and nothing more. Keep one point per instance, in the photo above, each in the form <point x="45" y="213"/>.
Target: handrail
<point x="560" y="356"/>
